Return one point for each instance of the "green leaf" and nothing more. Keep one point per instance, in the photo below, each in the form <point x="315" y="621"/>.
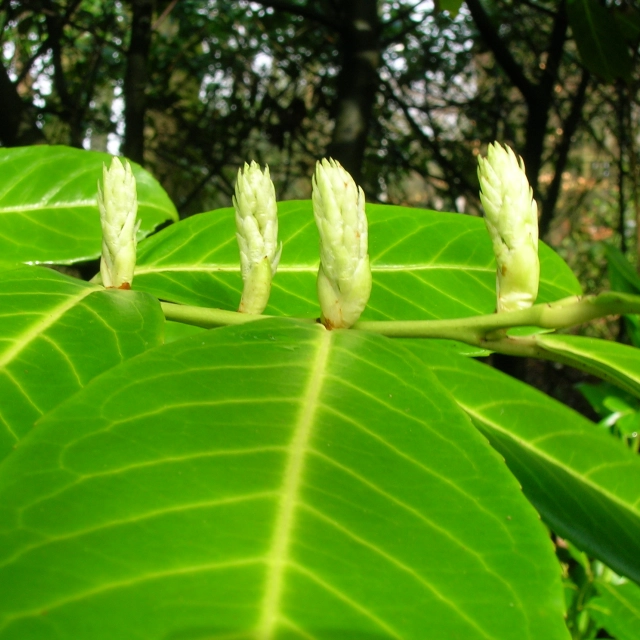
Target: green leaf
<point x="628" y="19"/>
<point x="584" y="483"/>
<point x="611" y="361"/>
<point x="177" y="330"/>
<point x="615" y="406"/>
<point x="600" y="42"/>
<point x="596" y="394"/>
<point x="57" y="333"/>
<point x="425" y="264"/>
<point x="49" y="209"/>
<point x="273" y="480"/>
<point x="622" y="276"/>
<point x="452" y="6"/>
<point x="617" y="609"/>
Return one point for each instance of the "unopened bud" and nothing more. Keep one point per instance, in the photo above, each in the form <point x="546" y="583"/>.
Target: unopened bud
<point x="511" y="216"/>
<point x="257" y="233"/>
<point x="118" y="205"/>
<point x="344" y="277"/>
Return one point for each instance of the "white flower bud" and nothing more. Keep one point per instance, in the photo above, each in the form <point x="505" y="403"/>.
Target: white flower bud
<point x="344" y="277"/>
<point x="257" y="233"/>
<point x="511" y="216"/>
<point x="118" y="205"/>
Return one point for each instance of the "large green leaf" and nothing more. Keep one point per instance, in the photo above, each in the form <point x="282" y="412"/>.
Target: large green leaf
<point x="425" y="264"/>
<point x="617" y="363"/>
<point x="584" y="483"/>
<point x="56" y="334"/>
<point x="617" y="609"/>
<point x="273" y="480"/>
<point x="48" y="204"/>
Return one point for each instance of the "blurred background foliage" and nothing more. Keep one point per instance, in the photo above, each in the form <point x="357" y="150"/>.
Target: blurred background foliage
<point x="404" y="93"/>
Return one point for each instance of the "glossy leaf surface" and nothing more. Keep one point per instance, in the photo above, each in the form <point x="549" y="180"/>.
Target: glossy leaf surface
<point x="425" y="264"/>
<point x="585" y="483"/>
<point x="273" y="480"/>
<point x="617" y="609"/>
<point x="56" y="334"/>
<point x="618" y="363"/>
<point x="48" y="204"/>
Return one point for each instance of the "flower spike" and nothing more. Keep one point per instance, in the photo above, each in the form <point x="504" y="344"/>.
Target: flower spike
<point x="344" y="277"/>
<point x="118" y="205"/>
<point x="257" y="233"/>
<point x="511" y="216"/>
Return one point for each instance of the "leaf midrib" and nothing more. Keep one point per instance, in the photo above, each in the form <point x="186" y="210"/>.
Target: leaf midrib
<point x="277" y="558"/>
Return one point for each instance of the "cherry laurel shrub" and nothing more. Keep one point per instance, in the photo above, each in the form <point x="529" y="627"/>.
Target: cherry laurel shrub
<point x="174" y="469"/>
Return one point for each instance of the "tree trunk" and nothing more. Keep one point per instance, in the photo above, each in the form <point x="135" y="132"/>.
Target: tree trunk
<point x="17" y="123"/>
<point x="539" y="104"/>
<point x="562" y="154"/>
<point x="135" y="82"/>
<point x="357" y="83"/>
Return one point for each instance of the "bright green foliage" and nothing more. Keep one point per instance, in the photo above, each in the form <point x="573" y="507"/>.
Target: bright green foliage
<point x="48" y="200"/>
<point x="425" y="264"/>
<point x="57" y="334"/>
<point x="618" y="609"/>
<point x="276" y="480"/>
<point x="307" y="494"/>
<point x="579" y="478"/>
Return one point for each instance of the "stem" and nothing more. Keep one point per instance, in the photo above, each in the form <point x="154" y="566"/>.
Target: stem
<point x="477" y="330"/>
<point x="210" y="318"/>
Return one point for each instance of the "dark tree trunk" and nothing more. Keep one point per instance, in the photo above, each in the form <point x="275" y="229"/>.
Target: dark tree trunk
<point x="357" y="83"/>
<point x="540" y="102"/>
<point x="135" y="82"/>
<point x="17" y="122"/>
<point x="70" y="99"/>
<point x="562" y="154"/>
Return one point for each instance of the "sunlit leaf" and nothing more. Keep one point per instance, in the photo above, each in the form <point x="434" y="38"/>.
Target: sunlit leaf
<point x="617" y="363"/>
<point x="273" y="480"/>
<point x="617" y="609"/>
<point x="56" y="334"/>
<point x="49" y="209"/>
<point x="583" y="482"/>
<point x="425" y="264"/>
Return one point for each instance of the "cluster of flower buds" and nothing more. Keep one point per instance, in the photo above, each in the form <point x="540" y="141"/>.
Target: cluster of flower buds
<point x="118" y="205"/>
<point x="344" y="277"/>
<point x="511" y="216"/>
<point x="257" y="233"/>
